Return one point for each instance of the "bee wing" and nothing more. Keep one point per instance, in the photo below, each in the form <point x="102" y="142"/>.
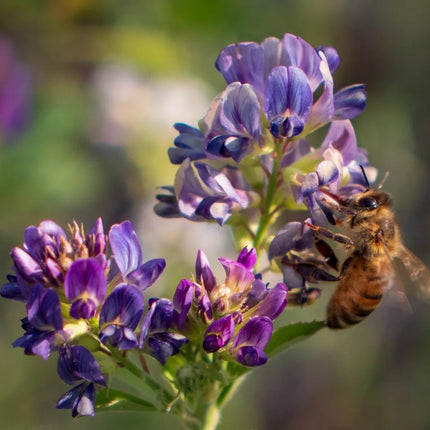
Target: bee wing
<point x="417" y="270"/>
<point x="398" y="294"/>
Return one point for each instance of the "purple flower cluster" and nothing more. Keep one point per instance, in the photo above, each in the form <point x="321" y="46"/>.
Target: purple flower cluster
<point x="72" y="293"/>
<point x="252" y="164"/>
<point x="278" y="92"/>
<point x="235" y="316"/>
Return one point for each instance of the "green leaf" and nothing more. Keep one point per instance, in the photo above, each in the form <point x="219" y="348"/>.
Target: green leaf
<point x="115" y="400"/>
<point x="287" y="335"/>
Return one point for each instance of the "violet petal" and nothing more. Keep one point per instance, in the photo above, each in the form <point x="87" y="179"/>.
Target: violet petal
<point x="125" y="247"/>
<point x="219" y="333"/>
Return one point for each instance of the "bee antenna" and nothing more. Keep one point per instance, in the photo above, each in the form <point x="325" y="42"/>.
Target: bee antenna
<point x="383" y="180"/>
<point x="365" y="176"/>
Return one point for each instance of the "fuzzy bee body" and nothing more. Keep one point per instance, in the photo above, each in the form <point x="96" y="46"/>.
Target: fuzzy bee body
<point x="359" y="291"/>
<point x="368" y="273"/>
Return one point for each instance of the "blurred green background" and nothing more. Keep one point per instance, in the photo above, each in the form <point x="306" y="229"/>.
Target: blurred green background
<point x="108" y="80"/>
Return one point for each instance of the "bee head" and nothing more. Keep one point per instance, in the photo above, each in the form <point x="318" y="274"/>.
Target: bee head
<point x="364" y="203"/>
<point x="369" y="200"/>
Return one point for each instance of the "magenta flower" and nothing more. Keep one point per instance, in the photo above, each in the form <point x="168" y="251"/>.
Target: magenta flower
<point x="249" y="343"/>
<point x="219" y="334"/>
<point x="226" y="307"/>
<point x="85" y="287"/>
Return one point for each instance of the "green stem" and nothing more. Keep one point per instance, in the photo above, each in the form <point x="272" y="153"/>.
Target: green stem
<point x="212" y="417"/>
<point x="143" y="377"/>
<point x="228" y="391"/>
<point x="267" y="214"/>
<point x="125" y="362"/>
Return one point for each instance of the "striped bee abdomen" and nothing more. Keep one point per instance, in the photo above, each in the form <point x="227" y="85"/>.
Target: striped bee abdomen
<point x="359" y="291"/>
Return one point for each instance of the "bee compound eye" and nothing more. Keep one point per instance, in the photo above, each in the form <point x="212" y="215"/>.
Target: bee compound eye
<point x="368" y="203"/>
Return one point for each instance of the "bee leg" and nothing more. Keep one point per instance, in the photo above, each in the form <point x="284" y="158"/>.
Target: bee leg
<point x="325" y="232"/>
<point x="327" y="252"/>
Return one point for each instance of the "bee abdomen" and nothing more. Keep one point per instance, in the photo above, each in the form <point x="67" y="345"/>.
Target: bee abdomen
<point x="349" y="308"/>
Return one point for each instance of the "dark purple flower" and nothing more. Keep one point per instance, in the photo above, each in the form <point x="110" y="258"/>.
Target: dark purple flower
<point x="358" y="182"/>
<point x="159" y="318"/>
<point x="204" y="274"/>
<point x="163" y="345"/>
<point x="36" y="262"/>
<point x="46" y="239"/>
<point x="323" y="109"/>
<point x="79" y="399"/>
<point x="44" y="310"/>
<point x="147" y="273"/>
<point x="271" y="69"/>
<point x="229" y="307"/>
<point x="182" y="301"/>
<point x="294" y="236"/>
<point x="300" y="261"/>
<point x="37" y="342"/>
<point x="43" y="325"/>
<point x="128" y="256"/>
<point x="242" y="62"/>
<point x="326" y="174"/>
<point x="287" y="101"/>
<point x="247" y="257"/>
<point x="186" y="294"/>
<point x="189" y="144"/>
<point x="85" y="287"/>
<point x="349" y="102"/>
<point x="125" y="247"/>
<point x="120" y="315"/>
<point x="249" y="343"/>
<point x="96" y="239"/>
<point x="205" y="192"/>
<point x="257" y="292"/>
<point x="339" y="172"/>
<point x="155" y="336"/>
<point x="167" y="204"/>
<point x="251" y="63"/>
<point x="341" y="136"/>
<point x="219" y="334"/>
<point x="302" y="55"/>
<point x="273" y="302"/>
<point x="12" y="290"/>
<point x="238" y="128"/>
<point x="26" y="266"/>
<point x="332" y="56"/>
<point x="239" y="278"/>
<point x="341" y="160"/>
<point x="77" y="364"/>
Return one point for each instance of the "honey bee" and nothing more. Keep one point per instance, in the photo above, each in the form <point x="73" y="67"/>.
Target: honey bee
<point x="373" y="242"/>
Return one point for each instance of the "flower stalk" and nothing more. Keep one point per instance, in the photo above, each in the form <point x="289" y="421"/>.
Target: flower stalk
<point x="267" y="212"/>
